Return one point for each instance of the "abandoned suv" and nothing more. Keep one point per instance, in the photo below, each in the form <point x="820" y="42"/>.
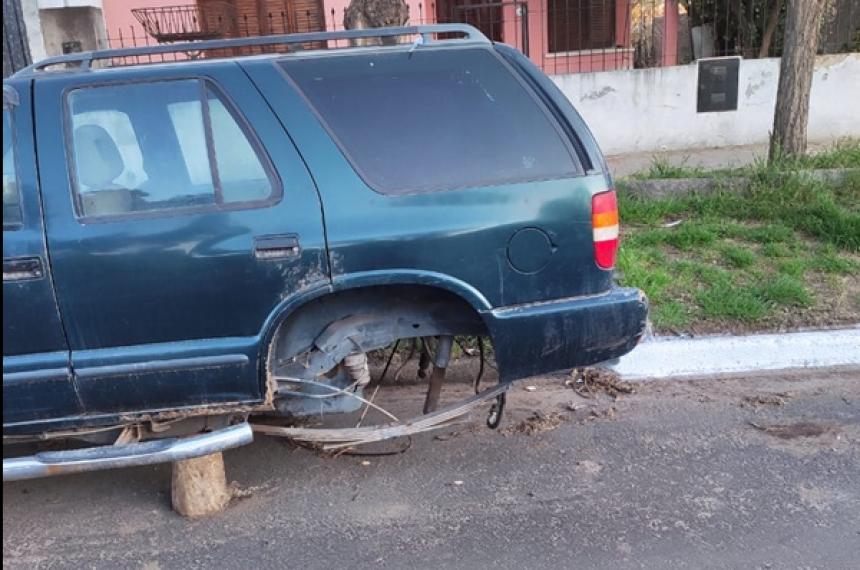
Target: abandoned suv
<point x="189" y="243"/>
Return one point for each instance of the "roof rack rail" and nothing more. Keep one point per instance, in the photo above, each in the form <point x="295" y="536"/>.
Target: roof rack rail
<point x="85" y="59"/>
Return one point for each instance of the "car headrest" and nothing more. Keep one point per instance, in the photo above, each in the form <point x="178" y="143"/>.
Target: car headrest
<point x="98" y="159"/>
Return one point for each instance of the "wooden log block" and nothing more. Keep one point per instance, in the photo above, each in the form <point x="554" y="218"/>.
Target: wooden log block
<point x="199" y="486"/>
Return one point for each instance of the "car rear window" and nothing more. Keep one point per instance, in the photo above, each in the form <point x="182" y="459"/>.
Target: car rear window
<point x="433" y="119"/>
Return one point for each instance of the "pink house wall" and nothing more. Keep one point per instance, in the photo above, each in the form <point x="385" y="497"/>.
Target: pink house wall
<point x="670" y="35"/>
<point x="118" y="17"/>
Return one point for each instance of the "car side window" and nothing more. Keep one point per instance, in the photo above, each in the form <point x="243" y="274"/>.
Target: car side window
<point x="240" y="172"/>
<point x="11" y="195"/>
<point x="161" y="147"/>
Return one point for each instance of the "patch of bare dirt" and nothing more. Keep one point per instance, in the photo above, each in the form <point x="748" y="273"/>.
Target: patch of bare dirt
<point x="772" y="399"/>
<point x="588" y="467"/>
<point x="794" y="430"/>
<point x="836" y="302"/>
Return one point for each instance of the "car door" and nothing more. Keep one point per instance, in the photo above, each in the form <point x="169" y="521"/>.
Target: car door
<point x="179" y="215"/>
<point x="37" y="382"/>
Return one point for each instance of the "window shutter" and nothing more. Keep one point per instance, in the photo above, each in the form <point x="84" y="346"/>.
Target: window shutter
<point x="308" y="16"/>
<point x="601" y="24"/>
<point x="567" y="25"/>
<point x="576" y="25"/>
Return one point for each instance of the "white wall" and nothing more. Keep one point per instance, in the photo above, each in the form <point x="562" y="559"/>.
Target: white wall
<point x="648" y="110"/>
<point x="49" y="4"/>
<point x="51" y="22"/>
<point x="30" y="12"/>
<point x="85" y="25"/>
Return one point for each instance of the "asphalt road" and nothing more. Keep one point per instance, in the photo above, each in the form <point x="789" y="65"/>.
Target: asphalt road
<point x="740" y="473"/>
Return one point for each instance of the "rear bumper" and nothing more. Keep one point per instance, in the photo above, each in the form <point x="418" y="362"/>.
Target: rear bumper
<point x="538" y="338"/>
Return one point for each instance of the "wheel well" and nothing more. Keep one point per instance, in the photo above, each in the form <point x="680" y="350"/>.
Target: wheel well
<point x="425" y="309"/>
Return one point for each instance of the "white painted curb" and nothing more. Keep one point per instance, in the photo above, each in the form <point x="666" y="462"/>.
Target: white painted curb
<point x="662" y="357"/>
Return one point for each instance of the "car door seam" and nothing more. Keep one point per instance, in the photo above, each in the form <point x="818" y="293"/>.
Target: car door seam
<point x="49" y="274"/>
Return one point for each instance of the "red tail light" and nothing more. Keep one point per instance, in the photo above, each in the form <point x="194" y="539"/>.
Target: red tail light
<point x="604" y="223"/>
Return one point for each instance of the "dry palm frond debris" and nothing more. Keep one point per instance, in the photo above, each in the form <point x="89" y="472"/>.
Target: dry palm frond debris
<point x="776" y="399"/>
<point x="536" y="423"/>
<point x="589" y="382"/>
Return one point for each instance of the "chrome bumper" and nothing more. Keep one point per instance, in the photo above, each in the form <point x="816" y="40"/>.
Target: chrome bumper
<point x="111" y="457"/>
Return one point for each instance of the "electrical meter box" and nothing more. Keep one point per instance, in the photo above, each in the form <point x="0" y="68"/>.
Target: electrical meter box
<point x="718" y="84"/>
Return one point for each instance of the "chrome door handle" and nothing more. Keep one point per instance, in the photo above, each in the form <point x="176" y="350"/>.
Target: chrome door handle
<point x="22" y="268"/>
<point x="277" y="247"/>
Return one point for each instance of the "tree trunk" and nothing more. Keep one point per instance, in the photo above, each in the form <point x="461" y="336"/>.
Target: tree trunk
<point x="364" y="14"/>
<point x="795" y="78"/>
<point x="772" y="22"/>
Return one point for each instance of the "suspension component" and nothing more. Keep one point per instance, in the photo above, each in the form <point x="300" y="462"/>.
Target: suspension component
<point x="437" y="377"/>
<point x="494" y="419"/>
<point x="357" y="368"/>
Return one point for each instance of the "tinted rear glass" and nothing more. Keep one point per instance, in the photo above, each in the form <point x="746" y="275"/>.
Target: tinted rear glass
<point x="433" y="119"/>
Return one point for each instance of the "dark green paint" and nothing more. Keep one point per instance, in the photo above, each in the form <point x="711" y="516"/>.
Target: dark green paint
<point x="169" y="312"/>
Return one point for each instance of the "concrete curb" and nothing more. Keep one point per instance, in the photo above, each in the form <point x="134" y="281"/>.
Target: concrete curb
<point x="676" y="187"/>
<point x="662" y="357"/>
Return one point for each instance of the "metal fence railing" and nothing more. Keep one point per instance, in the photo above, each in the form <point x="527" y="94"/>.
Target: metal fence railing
<point x="755" y="28"/>
<point x="187" y="22"/>
<point x="560" y="36"/>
